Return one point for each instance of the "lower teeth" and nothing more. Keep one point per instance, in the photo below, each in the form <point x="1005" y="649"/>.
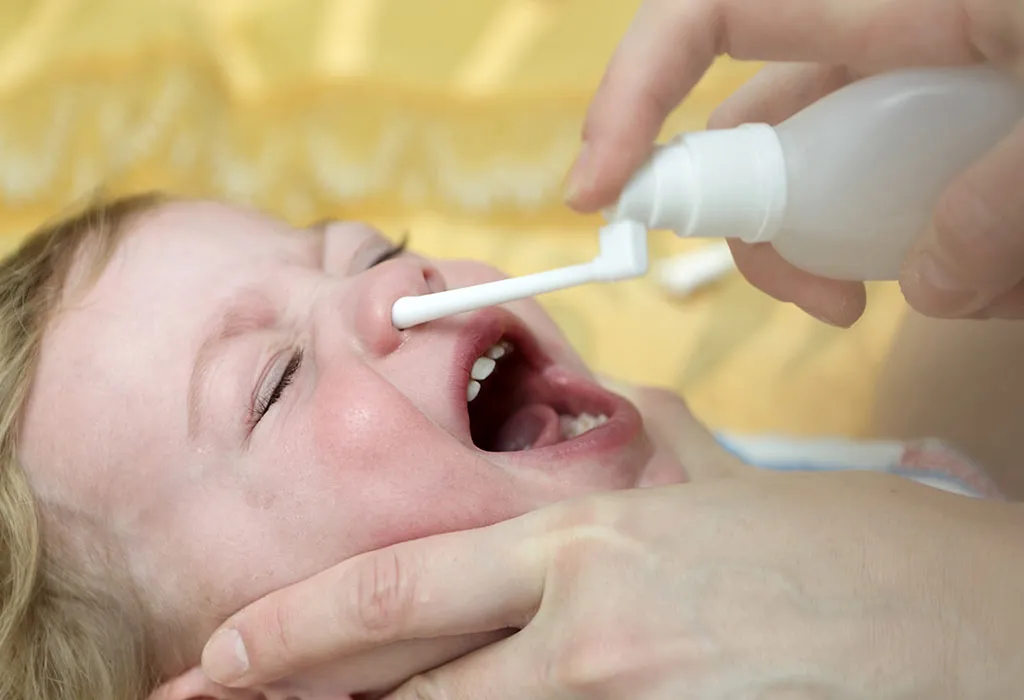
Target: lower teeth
<point x="574" y="426"/>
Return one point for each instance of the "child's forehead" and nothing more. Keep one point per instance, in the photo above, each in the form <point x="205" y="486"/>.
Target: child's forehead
<point x="168" y="261"/>
<point x="201" y="226"/>
<point x="212" y="223"/>
<point x="190" y="235"/>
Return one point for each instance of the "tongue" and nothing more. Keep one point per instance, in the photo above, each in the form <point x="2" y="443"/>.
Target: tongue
<point x="532" y="426"/>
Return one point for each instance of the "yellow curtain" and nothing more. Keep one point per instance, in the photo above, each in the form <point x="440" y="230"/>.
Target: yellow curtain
<point x="454" y="120"/>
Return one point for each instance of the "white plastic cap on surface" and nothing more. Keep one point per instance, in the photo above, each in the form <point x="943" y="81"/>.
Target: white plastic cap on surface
<point x="728" y="183"/>
<point x="685" y="273"/>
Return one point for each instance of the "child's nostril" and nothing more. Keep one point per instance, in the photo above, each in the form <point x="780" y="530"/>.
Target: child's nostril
<point x="435" y="283"/>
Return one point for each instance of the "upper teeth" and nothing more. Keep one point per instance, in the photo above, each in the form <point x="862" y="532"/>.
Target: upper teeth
<point x="484" y="366"/>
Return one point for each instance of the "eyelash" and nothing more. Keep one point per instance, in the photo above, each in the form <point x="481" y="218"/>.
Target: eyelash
<point x="263" y="404"/>
<point x="394" y="252"/>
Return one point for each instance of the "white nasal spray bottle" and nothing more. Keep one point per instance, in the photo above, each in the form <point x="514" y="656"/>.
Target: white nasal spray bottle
<point x="841" y="189"/>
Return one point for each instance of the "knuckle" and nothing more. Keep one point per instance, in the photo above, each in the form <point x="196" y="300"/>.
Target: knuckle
<point x="587" y="535"/>
<point x="278" y="632"/>
<point x="385" y="594"/>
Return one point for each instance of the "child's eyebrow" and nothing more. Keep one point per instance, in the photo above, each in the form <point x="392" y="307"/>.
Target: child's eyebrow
<point x="248" y="310"/>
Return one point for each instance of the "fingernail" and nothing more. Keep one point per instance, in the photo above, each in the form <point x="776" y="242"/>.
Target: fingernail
<point x="579" y="177"/>
<point x="225" y="659"/>
<point x="932" y="288"/>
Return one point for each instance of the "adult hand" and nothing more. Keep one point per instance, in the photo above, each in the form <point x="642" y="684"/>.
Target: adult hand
<point x="782" y="586"/>
<point x="971" y="260"/>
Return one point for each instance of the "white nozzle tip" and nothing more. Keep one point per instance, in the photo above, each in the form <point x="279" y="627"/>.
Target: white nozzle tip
<point x="404" y="312"/>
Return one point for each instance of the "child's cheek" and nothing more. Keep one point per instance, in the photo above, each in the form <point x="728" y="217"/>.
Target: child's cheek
<point x="393" y="474"/>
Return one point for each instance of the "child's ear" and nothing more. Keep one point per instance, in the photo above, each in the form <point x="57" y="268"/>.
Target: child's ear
<point x="194" y="685"/>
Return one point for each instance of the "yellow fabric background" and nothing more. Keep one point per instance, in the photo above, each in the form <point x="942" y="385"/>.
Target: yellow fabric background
<point x="454" y="120"/>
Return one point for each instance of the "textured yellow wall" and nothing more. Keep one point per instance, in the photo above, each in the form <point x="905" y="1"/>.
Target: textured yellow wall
<point x="454" y="120"/>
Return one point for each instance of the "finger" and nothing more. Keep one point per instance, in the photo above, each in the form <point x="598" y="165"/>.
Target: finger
<point x="440" y="586"/>
<point x="777" y="92"/>
<point x="973" y="252"/>
<point x="391" y="665"/>
<point x="671" y="44"/>
<point x="837" y="302"/>
<point x="509" y="670"/>
<point x="666" y="49"/>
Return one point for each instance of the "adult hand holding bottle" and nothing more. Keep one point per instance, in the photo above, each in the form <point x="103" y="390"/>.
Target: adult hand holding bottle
<point x="968" y="263"/>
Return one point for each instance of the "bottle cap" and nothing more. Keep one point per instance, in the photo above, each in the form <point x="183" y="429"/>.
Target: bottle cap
<point x="728" y="183"/>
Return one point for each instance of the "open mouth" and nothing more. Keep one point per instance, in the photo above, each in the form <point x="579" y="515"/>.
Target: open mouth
<point x="515" y="403"/>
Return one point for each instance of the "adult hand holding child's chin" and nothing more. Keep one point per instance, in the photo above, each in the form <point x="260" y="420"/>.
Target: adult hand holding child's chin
<point x="743" y="583"/>
<point x="795" y="586"/>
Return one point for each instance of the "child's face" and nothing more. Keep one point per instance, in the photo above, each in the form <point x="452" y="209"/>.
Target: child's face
<point x="147" y="412"/>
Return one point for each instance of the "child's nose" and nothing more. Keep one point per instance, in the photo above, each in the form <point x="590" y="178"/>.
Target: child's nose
<point x="376" y="292"/>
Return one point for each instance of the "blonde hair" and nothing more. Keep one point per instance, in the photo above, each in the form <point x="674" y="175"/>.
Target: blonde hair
<point x="63" y="634"/>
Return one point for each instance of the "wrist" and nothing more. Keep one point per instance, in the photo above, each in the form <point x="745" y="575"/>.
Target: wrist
<point x="985" y="623"/>
<point x="932" y="606"/>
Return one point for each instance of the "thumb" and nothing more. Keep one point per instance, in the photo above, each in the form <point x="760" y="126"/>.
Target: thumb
<point x="974" y="250"/>
<point x="444" y="585"/>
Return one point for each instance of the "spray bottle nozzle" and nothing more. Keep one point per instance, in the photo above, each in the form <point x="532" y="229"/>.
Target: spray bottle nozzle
<point x="623" y="255"/>
<point x="623" y="251"/>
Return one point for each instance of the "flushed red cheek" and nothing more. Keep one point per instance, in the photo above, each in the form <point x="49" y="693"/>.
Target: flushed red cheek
<point x="400" y="477"/>
<point x="361" y="421"/>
